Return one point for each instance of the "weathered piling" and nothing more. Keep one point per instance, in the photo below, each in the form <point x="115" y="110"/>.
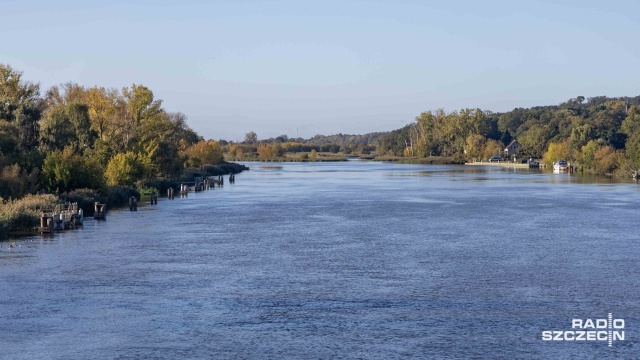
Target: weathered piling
<point x="99" y="211"/>
<point x="198" y="184"/>
<point x="133" y="203"/>
<point x="58" y="221"/>
<point x="46" y="224"/>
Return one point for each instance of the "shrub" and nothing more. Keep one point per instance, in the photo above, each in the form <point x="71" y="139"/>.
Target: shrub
<point x="119" y="195"/>
<point x="160" y="184"/>
<point x="15" y="182"/>
<point x="85" y="199"/>
<point x="605" y="159"/>
<point x="23" y="214"/>
<point x="65" y="171"/>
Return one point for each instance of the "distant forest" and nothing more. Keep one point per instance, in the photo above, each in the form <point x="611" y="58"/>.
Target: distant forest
<point x="601" y="134"/>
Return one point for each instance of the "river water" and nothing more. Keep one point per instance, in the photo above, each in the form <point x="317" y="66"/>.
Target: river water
<point x="336" y="260"/>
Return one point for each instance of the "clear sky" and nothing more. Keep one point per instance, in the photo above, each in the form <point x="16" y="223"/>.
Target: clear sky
<point x="322" y="67"/>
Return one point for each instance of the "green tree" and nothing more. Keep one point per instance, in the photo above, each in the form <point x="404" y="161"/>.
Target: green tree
<point x="65" y="125"/>
<point x="475" y="146"/>
<point x="9" y="138"/>
<point x="125" y="169"/>
<point x="250" y="138"/>
<point x="492" y="148"/>
<point x="16" y="182"/>
<point x="55" y="130"/>
<point x="66" y="170"/>
<point x="534" y="140"/>
<point x="588" y="154"/>
<point x="20" y="106"/>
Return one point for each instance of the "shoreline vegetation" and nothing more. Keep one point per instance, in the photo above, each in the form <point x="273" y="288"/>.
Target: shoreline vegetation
<point x="87" y="144"/>
<point x="78" y="144"/>
<point x="601" y="135"/>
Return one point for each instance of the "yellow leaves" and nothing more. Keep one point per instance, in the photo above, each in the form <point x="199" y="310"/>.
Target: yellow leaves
<point x="557" y="151"/>
<point x="204" y="153"/>
<point x="124" y="169"/>
<point x="270" y="151"/>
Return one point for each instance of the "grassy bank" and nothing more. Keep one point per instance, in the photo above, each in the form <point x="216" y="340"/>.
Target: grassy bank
<point x="22" y="216"/>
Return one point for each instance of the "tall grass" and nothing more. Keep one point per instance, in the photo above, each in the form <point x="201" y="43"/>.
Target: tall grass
<point x="23" y="214"/>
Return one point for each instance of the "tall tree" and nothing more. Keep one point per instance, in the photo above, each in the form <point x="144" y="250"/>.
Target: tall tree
<point x="251" y="138"/>
<point x="20" y="105"/>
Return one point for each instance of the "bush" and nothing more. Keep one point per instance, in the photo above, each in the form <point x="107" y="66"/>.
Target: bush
<point x="23" y="214"/>
<point x="606" y="159"/>
<point x="64" y="171"/>
<point x="85" y="199"/>
<point x="119" y="195"/>
<point x="160" y="184"/>
<point x="16" y="182"/>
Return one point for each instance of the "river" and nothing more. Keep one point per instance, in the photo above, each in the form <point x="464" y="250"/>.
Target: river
<point x="336" y="260"/>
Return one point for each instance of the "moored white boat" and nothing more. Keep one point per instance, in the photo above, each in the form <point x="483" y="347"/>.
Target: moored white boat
<point x="560" y="165"/>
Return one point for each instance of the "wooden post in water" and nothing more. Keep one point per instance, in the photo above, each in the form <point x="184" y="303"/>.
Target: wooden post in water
<point x="46" y="224"/>
<point x="100" y="211"/>
<point x="133" y="203"/>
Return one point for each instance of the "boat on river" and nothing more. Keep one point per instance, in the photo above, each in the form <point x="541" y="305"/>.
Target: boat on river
<point x="561" y="165"/>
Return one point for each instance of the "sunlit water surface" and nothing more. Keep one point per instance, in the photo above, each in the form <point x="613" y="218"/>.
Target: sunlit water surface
<point x="336" y="260"/>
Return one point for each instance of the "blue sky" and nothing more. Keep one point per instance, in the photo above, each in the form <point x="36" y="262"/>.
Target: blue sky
<point x="322" y="67"/>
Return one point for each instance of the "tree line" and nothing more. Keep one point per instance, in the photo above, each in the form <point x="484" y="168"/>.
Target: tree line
<point x="72" y="137"/>
<point x="601" y="134"/>
<point x="277" y="147"/>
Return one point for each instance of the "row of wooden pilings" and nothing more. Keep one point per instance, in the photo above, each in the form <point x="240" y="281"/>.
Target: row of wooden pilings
<point x="70" y="216"/>
<point x="133" y="201"/>
<point x="200" y="184"/>
<point x="61" y="217"/>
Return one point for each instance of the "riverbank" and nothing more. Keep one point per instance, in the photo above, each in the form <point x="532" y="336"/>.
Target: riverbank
<point x="506" y="164"/>
<point x="431" y="160"/>
<point x="299" y="159"/>
<point x="21" y="216"/>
